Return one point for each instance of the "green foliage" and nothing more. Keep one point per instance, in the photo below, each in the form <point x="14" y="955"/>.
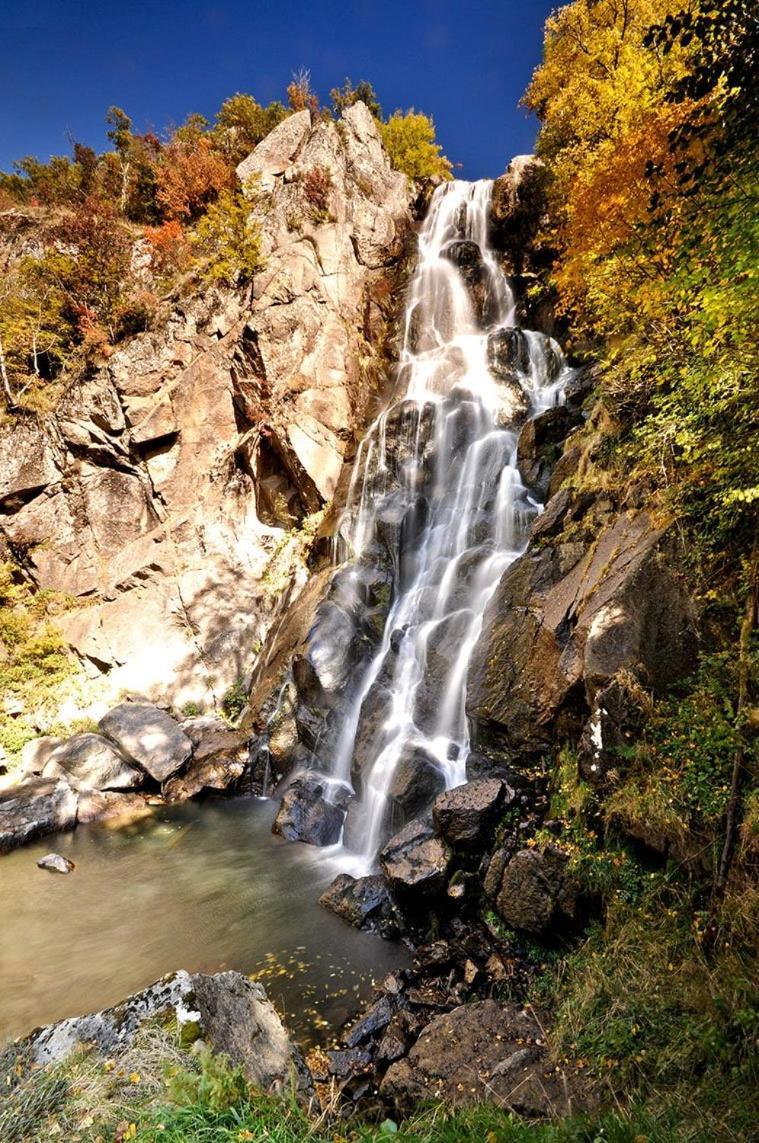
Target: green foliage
<point x="215" y="1084"/>
<point x="235" y="700"/>
<point x="229" y="239"/>
<point x="242" y="122"/>
<point x="33" y="658"/>
<point x="410" y="142"/>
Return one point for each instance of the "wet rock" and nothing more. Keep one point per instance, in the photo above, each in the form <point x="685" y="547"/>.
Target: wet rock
<point x="363" y="902"/>
<point x="374" y="1020"/>
<point x="229" y="1012"/>
<point x="415" y="861"/>
<point x="537" y="891"/>
<point x="33" y="808"/>
<point x="214" y="772"/>
<point x="109" y="805"/>
<point x="415" y="782"/>
<point x="508" y="353"/>
<point x="538" y="447"/>
<point x="150" y="736"/>
<point x="620" y="711"/>
<point x="306" y="815"/>
<point x="348" y="1062"/>
<point x="91" y="760"/>
<point x="56" y="863"/>
<point x="517" y="205"/>
<point x="483" y="1051"/>
<point x="464" y="816"/>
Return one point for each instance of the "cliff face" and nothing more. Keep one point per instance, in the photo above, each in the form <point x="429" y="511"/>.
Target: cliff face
<point x="165" y="493"/>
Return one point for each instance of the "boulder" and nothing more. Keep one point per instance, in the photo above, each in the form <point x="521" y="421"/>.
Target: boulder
<point x="110" y="805"/>
<point x="483" y="1051"/>
<point x="229" y="1012"/>
<point x="214" y="772"/>
<point x="56" y="863"/>
<point x="416" y="780"/>
<point x="92" y="761"/>
<point x="538" y="447"/>
<point x="536" y="891"/>
<point x="415" y="861"/>
<point x="464" y="816"/>
<point x="35" y="754"/>
<point x="150" y="736"/>
<point x="363" y="902"/>
<point x="306" y="815"/>
<point x="35" y="807"/>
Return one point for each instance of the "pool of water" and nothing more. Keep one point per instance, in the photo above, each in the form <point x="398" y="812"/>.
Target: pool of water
<point x="201" y="886"/>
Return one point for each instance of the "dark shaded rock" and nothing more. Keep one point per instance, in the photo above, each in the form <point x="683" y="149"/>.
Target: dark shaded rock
<point x="557" y="631"/>
<point x="536" y="890"/>
<point x="580" y="385"/>
<point x="538" y="447"/>
<point x="33" y="808"/>
<point x="363" y="902"/>
<point x="148" y="735"/>
<point x="306" y="815"/>
<point x="620" y="711"/>
<point x="230" y="1013"/>
<point x="415" y="861"/>
<point x="416" y="781"/>
<point x="56" y="863"/>
<point x="377" y="1017"/>
<point x="348" y="1062"/>
<point x="507" y="353"/>
<point x="481" y="1051"/>
<point x="517" y="205"/>
<point x="398" y="1037"/>
<point x="494" y="873"/>
<point x="464" y="815"/>
<point x="91" y="760"/>
<point x="217" y="772"/>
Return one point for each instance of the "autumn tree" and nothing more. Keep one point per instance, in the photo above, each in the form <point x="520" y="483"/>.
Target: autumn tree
<point x="300" y="94"/>
<point x="191" y="172"/>
<point x="241" y="123"/>
<point x="345" y="96"/>
<point x="409" y="140"/>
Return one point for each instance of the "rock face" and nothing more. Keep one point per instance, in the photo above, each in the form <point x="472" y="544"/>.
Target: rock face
<point x="150" y="736"/>
<point x="363" y="902"/>
<point x="160" y="491"/>
<point x="230" y="1013"/>
<point x="566" y="618"/>
<point x="480" y="1051"/>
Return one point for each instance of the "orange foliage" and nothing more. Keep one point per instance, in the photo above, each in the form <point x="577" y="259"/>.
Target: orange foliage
<point x="189" y="176"/>
<point x="168" y="246"/>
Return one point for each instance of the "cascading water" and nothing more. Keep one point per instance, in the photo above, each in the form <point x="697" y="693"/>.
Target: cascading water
<point x="436" y="494"/>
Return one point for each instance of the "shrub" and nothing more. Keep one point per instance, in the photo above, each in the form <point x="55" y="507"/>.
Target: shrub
<point x="229" y="239"/>
<point x="317" y="184"/>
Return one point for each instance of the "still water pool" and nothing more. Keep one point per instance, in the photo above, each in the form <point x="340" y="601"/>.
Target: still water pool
<point x="200" y="886"/>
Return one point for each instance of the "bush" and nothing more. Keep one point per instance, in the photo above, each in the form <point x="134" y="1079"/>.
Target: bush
<point x="229" y="240"/>
<point x="317" y="184"/>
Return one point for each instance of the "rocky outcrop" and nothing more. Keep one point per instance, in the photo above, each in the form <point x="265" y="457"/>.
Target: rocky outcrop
<point x="568" y="616"/>
<point x="33" y="808"/>
<point x="481" y="1051"/>
<point x="150" y="736"/>
<point x="161" y="492"/>
<point x="537" y="893"/>
<point x="228" y="1012"/>
<point x="92" y="761"/>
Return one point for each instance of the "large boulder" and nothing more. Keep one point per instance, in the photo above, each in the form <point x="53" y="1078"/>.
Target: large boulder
<point x="229" y="1012"/>
<point x="538" y="447"/>
<point x="363" y="902"/>
<point x="558" y="629"/>
<point x="537" y="891"/>
<point x="416" y="861"/>
<point x="306" y="814"/>
<point x="415" y="782"/>
<point x="92" y="761"/>
<point x="483" y="1051"/>
<point x="33" y="808"/>
<point x="464" y="816"/>
<point x="150" y="736"/>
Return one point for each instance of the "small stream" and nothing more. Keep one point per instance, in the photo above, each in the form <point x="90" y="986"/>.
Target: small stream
<point x="200" y="886"/>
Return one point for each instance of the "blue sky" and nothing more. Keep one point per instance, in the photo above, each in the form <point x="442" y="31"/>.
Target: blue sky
<point x="63" y="62"/>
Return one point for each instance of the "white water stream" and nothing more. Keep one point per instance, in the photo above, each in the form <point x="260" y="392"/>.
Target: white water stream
<point x="437" y="473"/>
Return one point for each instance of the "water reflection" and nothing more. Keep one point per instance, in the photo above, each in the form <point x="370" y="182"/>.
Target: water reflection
<point x="198" y="886"/>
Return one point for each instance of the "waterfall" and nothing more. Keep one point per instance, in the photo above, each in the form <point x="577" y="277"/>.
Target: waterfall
<point x="436" y="497"/>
